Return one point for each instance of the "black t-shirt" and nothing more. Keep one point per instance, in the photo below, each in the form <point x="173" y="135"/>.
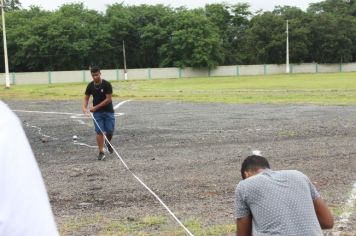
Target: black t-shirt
<point x="99" y="94"/>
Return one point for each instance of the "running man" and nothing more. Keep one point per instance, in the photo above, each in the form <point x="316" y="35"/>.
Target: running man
<point x="102" y="109"/>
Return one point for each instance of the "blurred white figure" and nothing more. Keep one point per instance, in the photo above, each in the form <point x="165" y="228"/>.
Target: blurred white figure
<point x="24" y="204"/>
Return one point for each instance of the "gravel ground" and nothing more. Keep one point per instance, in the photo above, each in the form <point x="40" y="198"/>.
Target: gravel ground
<point x="189" y="154"/>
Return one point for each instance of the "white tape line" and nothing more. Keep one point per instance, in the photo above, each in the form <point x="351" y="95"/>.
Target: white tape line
<point x="79" y="117"/>
<point x="84" y="116"/>
<point x="349" y="210"/>
<point x="139" y="180"/>
<point x="81" y="122"/>
<point x="73" y="115"/>
<point x="50" y="112"/>
<point x="61" y="113"/>
<point x="40" y="131"/>
<point x="121" y="103"/>
<point x="84" y="144"/>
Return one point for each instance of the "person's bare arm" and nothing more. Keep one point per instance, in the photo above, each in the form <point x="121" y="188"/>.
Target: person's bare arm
<point x="323" y="213"/>
<point x="244" y="226"/>
<point x="85" y="103"/>
<point x="107" y="100"/>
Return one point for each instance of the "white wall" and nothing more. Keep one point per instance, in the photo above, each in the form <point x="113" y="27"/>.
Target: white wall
<point x="167" y="73"/>
<point x="304" y="68"/>
<point x="328" y="68"/>
<point x="252" y="70"/>
<point x="225" y="71"/>
<point x="164" y="73"/>
<point x="111" y="74"/>
<point x="137" y="74"/>
<point x="275" y="69"/>
<point x="348" y="67"/>
<point x="31" y="78"/>
<point x="68" y="76"/>
<point x="194" y="72"/>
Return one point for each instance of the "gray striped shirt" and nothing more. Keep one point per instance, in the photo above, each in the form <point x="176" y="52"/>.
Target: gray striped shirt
<point x="281" y="203"/>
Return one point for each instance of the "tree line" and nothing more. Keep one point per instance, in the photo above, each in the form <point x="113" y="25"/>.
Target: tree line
<point x="74" y="37"/>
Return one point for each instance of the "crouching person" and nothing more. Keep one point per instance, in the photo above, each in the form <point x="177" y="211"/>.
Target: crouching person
<point x="282" y="202"/>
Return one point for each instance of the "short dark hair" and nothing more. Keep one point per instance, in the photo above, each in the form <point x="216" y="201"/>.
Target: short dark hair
<point x="94" y="69"/>
<point x="253" y="163"/>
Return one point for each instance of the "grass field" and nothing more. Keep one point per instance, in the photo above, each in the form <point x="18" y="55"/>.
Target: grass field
<point x="330" y="88"/>
<point x="147" y="226"/>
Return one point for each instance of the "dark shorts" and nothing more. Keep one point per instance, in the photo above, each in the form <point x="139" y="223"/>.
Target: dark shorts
<point x="106" y="122"/>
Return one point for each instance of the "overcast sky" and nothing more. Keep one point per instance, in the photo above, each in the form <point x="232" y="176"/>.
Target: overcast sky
<point x="100" y="5"/>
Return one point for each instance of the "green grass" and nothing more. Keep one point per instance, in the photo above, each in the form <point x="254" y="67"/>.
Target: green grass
<point x="147" y="226"/>
<point x="330" y="88"/>
<point x="337" y="211"/>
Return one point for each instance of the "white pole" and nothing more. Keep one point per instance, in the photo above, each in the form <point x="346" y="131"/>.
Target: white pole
<point x="7" y="75"/>
<point x="123" y="50"/>
<point x="287" y="53"/>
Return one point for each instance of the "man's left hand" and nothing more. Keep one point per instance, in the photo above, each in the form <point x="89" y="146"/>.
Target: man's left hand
<point x="92" y="109"/>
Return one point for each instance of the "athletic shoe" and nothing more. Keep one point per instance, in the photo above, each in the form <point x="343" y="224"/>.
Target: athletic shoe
<point x="108" y="146"/>
<point x="101" y="156"/>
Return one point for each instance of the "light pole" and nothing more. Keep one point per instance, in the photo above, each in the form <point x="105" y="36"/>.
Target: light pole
<point x="287" y="53"/>
<point x="123" y="51"/>
<point x="7" y="75"/>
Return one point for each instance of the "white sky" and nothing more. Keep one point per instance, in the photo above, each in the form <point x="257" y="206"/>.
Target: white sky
<point x="100" y="5"/>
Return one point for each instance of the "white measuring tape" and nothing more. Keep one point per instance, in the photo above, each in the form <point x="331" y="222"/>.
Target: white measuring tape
<point x="141" y="182"/>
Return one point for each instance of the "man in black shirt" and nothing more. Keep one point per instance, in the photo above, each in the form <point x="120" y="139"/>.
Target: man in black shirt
<point x="102" y="109"/>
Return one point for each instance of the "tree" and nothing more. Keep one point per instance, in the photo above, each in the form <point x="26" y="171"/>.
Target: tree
<point x="74" y="37"/>
<point x="331" y="38"/>
<point x="26" y="36"/>
<point x="232" y="22"/>
<point x="330" y="6"/>
<point x="12" y="4"/>
<point x="70" y="38"/>
<point x="299" y="32"/>
<point x="194" y="41"/>
<point x="78" y="38"/>
<point x="150" y="33"/>
<point x="120" y="27"/>
<point x="267" y="39"/>
<point x="333" y="30"/>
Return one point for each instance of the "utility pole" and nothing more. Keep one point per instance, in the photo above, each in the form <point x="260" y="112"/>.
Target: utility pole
<point x="287" y="53"/>
<point x="123" y="51"/>
<point x="7" y="74"/>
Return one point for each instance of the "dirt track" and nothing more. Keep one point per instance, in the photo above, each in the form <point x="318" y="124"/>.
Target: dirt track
<point x="189" y="154"/>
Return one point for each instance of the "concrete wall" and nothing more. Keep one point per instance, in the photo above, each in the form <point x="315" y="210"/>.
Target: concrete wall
<point x="348" y="67"/>
<point x="29" y="78"/>
<point x="69" y="76"/>
<point x="275" y="69"/>
<point x="252" y="70"/>
<point x="328" y="68"/>
<point x="110" y="74"/>
<point x="167" y="73"/>
<point x="194" y="72"/>
<point x="305" y="68"/>
<point x="225" y="71"/>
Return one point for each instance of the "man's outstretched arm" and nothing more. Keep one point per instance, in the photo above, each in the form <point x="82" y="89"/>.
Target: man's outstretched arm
<point x="244" y="226"/>
<point x="323" y="213"/>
